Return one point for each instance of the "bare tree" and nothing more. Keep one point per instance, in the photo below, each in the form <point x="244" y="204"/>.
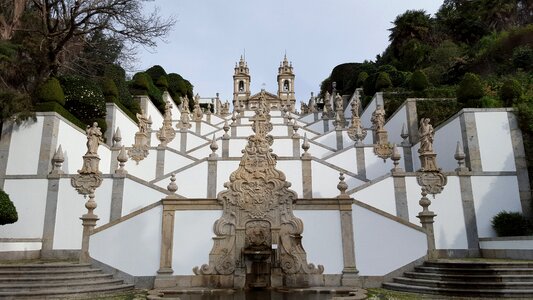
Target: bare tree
<point x="10" y="15"/>
<point x="65" y="22"/>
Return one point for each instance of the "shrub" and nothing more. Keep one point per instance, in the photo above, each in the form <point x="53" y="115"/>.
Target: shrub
<point x="83" y="98"/>
<point x="470" y="90"/>
<point x="118" y="75"/>
<point x="141" y="81"/>
<point x="510" y="224"/>
<point x="419" y="81"/>
<point x="361" y="79"/>
<point x="162" y="83"/>
<point x="109" y="89"/>
<point x="156" y="72"/>
<point x="8" y="212"/>
<point x="382" y="81"/>
<point x="55" y="107"/>
<point x="510" y="92"/>
<point x="142" y="84"/>
<point x="51" y="91"/>
<point x="522" y="57"/>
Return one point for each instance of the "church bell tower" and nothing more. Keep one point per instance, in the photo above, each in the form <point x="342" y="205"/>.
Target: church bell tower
<point x="241" y="83"/>
<point x="286" y="83"/>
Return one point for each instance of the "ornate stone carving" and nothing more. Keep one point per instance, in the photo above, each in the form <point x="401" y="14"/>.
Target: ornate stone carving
<point x="225" y="109"/>
<point x="340" y="121"/>
<point x="166" y="133"/>
<point x="430" y="177"/>
<point x="184" y="122"/>
<point x="197" y="113"/>
<point x="258" y="193"/>
<point x="356" y="132"/>
<point x="57" y="162"/>
<point x="89" y="177"/>
<point x="382" y="148"/>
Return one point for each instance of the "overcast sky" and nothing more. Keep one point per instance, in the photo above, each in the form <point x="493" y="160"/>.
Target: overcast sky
<point x="210" y="36"/>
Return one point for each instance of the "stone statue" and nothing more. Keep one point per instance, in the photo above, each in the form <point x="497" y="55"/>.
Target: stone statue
<point x="426" y="134"/>
<point x="378" y="118"/>
<point x="338" y="102"/>
<point x="143" y="122"/>
<point x="168" y="112"/>
<point x="185" y="104"/>
<point x="94" y="137"/>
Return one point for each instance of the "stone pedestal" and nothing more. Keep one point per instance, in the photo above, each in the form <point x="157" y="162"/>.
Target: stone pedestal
<point x="88" y="222"/>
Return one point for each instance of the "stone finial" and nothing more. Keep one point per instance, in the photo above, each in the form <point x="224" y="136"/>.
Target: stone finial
<point x="162" y="136"/>
<point x="57" y="161"/>
<point x="289" y="117"/>
<point x="305" y="147"/>
<point x="149" y="122"/>
<point x="404" y="135"/>
<point x="295" y="128"/>
<point x="342" y="187"/>
<point x="117" y="138"/>
<point x="214" y="148"/>
<point x="172" y="186"/>
<point x="396" y="159"/>
<point x="234" y="118"/>
<point x="460" y="157"/>
<point x="226" y="129"/>
<point x="122" y="159"/>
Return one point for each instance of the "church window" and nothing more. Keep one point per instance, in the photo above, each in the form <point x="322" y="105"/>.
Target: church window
<point x="241" y="86"/>
<point x="286" y="85"/>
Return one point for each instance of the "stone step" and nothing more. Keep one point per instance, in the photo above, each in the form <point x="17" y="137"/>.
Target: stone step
<point x="482" y="293"/>
<point x="43" y="267"/>
<point x="49" y="278"/>
<point x="479" y="265"/>
<point x="24" y="286"/>
<point x="467" y="277"/>
<point x="33" y="273"/>
<point x="465" y="284"/>
<point x="86" y="291"/>
<point x="476" y="271"/>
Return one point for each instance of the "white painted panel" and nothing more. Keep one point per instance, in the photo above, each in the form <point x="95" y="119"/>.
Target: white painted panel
<point x="138" y="237"/>
<point x="206" y="128"/>
<point x="236" y="146"/>
<point x="244" y="131"/>
<point x="151" y="111"/>
<point x="195" y="242"/>
<point x="325" y="180"/>
<point x="174" y="161"/>
<point x="29" y="246"/>
<point x="73" y="142"/>
<point x="511" y="244"/>
<point x="309" y="118"/>
<point x="205" y="151"/>
<point x="375" y="166"/>
<point x="322" y="238"/>
<point x="128" y="128"/>
<point x="318" y="126"/>
<point x="137" y="196"/>
<point x="176" y="142"/>
<point x="346" y="160"/>
<point x="194" y="141"/>
<point x="145" y="169"/>
<point x="492" y="194"/>
<point x="449" y="226"/>
<point x="367" y="113"/>
<point x="383" y="245"/>
<point x="495" y="145"/>
<point x="71" y="206"/>
<point x="328" y="140"/>
<point x="105" y="159"/>
<point x="282" y="147"/>
<point x="224" y="170"/>
<point x="279" y="130"/>
<point x="24" y="147"/>
<point x="216" y="119"/>
<point x="346" y="141"/>
<point x="317" y="150"/>
<point x="379" y="195"/>
<point x="394" y="125"/>
<point x="29" y="198"/>
<point x="445" y="144"/>
<point x="192" y="182"/>
<point x="304" y="132"/>
<point x="293" y="172"/>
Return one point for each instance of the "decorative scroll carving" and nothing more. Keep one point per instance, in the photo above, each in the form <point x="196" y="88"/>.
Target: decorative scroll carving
<point x="431" y="178"/>
<point x="139" y="149"/>
<point x="257" y="197"/>
<point x="89" y="177"/>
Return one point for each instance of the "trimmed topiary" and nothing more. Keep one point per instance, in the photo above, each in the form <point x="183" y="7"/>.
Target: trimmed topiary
<point x="510" y="92"/>
<point x="510" y="224"/>
<point x="382" y="82"/>
<point x="156" y="72"/>
<point x="141" y="81"/>
<point x="51" y="91"/>
<point x="109" y="89"/>
<point x="83" y="98"/>
<point x="419" y="81"/>
<point x="361" y="79"/>
<point x="8" y="212"/>
<point x="142" y="84"/>
<point x="162" y="83"/>
<point x="470" y="90"/>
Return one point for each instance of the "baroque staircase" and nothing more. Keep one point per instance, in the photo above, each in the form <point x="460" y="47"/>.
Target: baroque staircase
<point x="468" y="278"/>
<point x="59" y="279"/>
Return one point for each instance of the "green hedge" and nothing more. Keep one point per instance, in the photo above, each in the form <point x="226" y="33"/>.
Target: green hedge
<point x="83" y="98"/>
<point x="511" y="224"/>
<point x="49" y="91"/>
<point x="56" y="107"/>
<point x="437" y="110"/>
<point x="142" y="84"/>
<point x="8" y="212"/>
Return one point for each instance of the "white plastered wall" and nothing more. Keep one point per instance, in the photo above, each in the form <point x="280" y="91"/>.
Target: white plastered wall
<point x="192" y="244"/>
<point x="71" y="206"/>
<point x="194" y="141"/>
<point x="136" y="244"/>
<point x="449" y="226"/>
<point x="151" y="111"/>
<point x="224" y="170"/>
<point x="145" y="169"/>
<point x="236" y="146"/>
<point x="346" y="159"/>
<point x="29" y="198"/>
<point x="128" y="128"/>
<point x="375" y="166"/>
<point x="383" y="245"/>
<point x="24" y="147"/>
<point x="174" y="161"/>
<point x="379" y="195"/>
<point x="493" y="194"/>
<point x="282" y="147"/>
<point x="325" y="180"/>
<point x="367" y="113"/>
<point x="322" y="238"/>
<point x="394" y="125"/>
<point x="517" y="244"/>
<point x="192" y="182"/>
<point x="328" y="140"/>
<point x="495" y="145"/>
<point x="293" y="173"/>
<point x="137" y="196"/>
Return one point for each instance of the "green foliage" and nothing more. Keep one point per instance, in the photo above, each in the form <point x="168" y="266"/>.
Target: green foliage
<point x="83" y="98"/>
<point x="156" y="72"/>
<point x="56" y="107"/>
<point x="510" y="224"/>
<point x="51" y="91"/>
<point x="510" y="92"/>
<point x="110" y="90"/>
<point x="142" y="84"/>
<point x="419" y="81"/>
<point x="369" y="86"/>
<point x="361" y="79"/>
<point x="15" y="106"/>
<point x="439" y="110"/>
<point x="382" y="81"/>
<point x="162" y="83"/>
<point x="118" y="75"/>
<point x="522" y="57"/>
<point x="470" y="90"/>
<point x="8" y="212"/>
